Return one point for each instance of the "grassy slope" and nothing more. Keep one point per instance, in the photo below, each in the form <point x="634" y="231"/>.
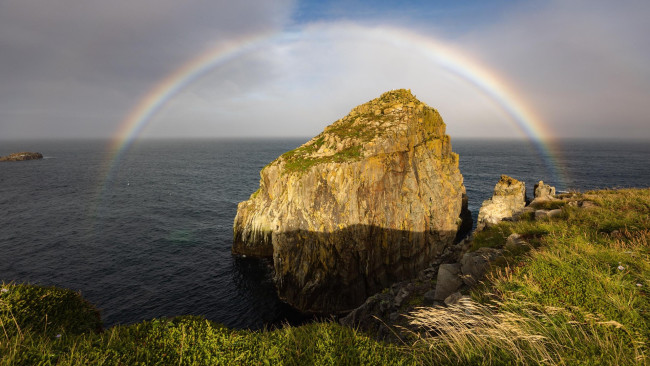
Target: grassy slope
<point x="579" y="296"/>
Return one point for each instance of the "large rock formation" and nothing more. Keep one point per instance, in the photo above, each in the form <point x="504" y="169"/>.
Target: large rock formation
<point x="508" y="199"/>
<point x="369" y="201"/>
<point x="22" y="156"/>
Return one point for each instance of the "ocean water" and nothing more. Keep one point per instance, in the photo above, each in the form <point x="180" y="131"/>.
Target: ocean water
<point x="153" y="238"/>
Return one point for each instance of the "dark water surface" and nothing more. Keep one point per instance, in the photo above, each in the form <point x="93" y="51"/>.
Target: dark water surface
<point x="153" y="239"/>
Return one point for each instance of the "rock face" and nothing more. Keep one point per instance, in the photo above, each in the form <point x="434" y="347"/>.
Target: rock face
<point x="509" y="198"/>
<point x="544" y="192"/>
<point x="449" y="280"/>
<point x="475" y="264"/>
<point x="370" y="201"/>
<point x="22" y="156"/>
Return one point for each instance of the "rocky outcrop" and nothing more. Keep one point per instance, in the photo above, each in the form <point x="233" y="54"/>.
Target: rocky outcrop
<point x="370" y="201"/>
<point x="22" y="156"/>
<point x="450" y="278"/>
<point x="508" y="199"/>
<point x="544" y="191"/>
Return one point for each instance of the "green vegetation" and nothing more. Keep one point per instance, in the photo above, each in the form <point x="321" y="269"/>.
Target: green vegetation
<point x="300" y="159"/>
<point x="548" y="205"/>
<point x="580" y="296"/>
<point x="584" y="289"/>
<point x="190" y="340"/>
<point x="364" y="124"/>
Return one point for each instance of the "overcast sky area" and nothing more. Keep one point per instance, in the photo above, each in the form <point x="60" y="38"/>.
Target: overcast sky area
<point x="77" y="69"/>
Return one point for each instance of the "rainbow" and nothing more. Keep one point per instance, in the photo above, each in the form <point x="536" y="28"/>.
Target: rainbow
<point x="478" y="76"/>
<point x="156" y="98"/>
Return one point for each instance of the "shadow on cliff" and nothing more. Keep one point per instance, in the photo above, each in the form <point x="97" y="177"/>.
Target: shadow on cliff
<point x="257" y="297"/>
<point x="335" y="272"/>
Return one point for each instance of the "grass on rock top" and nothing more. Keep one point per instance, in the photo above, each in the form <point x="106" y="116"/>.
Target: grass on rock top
<point x="359" y="128"/>
<point x="578" y="296"/>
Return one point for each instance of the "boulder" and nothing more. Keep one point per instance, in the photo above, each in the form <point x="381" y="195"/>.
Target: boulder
<point x="401" y="295"/>
<point x="448" y="281"/>
<point x="21" y="156"/>
<point x="364" y="316"/>
<point x="541" y="214"/>
<point x="508" y="199"/>
<point x="475" y="264"/>
<point x="429" y="297"/>
<point x="543" y="191"/>
<point x="370" y="201"/>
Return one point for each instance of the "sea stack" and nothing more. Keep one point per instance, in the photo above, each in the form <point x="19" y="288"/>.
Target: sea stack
<point x="371" y="200"/>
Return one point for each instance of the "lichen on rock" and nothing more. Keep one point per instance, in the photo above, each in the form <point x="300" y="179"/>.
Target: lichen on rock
<point x="369" y="201"/>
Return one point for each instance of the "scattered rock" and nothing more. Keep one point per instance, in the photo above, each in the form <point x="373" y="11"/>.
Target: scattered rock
<point x="475" y="264"/>
<point x="509" y="199"/>
<point x="364" y="315"/>
<point x="544" y="192"/>
<point x="430" y="297"/>
<point x="541" y="214"/>
<point x="373" y="199"/>
<point x="448" y="280"/>
<point x="401" y="295"/>
<point x="21" y="156"/>
<point x="555" y="213"/>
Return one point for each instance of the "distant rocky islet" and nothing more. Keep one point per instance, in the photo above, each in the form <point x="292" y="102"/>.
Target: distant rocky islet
<point x="22" y="156"/>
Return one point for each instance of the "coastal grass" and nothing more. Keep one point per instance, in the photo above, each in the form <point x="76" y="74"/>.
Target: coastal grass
<point x="184" y="340"/>
<point x="578" y="296"/>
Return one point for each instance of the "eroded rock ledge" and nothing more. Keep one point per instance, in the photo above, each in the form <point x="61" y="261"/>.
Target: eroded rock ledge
<point x="371" y="200"/>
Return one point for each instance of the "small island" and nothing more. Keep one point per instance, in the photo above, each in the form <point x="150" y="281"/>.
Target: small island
<point x="21" y="156"/>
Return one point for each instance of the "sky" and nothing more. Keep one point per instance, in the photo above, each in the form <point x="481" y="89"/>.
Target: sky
<point x="284" y="68"/>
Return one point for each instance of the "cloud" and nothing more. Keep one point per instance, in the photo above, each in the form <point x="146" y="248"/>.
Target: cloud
<point x="73" y="69"/>
<point x="583" y="65"/>
<point x="66" y="63"/>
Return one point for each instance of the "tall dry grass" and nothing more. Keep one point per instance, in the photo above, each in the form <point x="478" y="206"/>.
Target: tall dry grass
<point x="470" y="332"/>
<point x="473" y="333"/>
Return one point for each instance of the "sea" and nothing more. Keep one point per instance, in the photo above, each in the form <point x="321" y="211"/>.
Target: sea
<point x="148" y="235"/>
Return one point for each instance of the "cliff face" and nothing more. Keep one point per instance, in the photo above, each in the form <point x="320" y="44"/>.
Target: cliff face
<point x="369" y="201"/>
